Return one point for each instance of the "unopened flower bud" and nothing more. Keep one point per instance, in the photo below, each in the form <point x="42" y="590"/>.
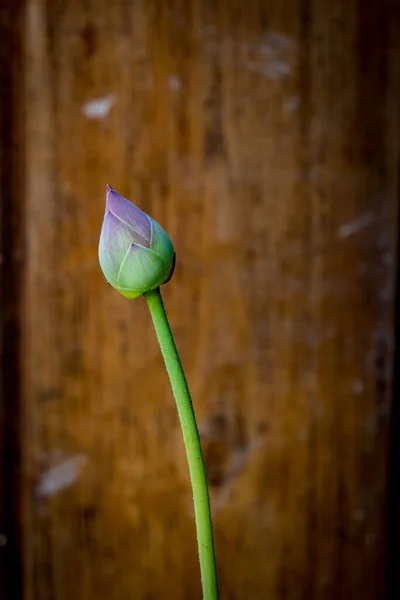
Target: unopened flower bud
<point x="135" y="253"/>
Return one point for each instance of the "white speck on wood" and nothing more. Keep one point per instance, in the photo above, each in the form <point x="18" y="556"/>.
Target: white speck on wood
<point x="98" y="108"/>
<point x="280" y="40"/>
<point x="386" y="293"/>
<point x="387" y="259"/>
<point x="60" y="477"/>
<point x="174" y="83"/>
<point x="209" y="30"/>
<point x="291" y="104"/>
<point x="278" y="69"/>
<point x="272" y="55"/>
<point x="348" y="229"/>
<point x="358" y="386"/>
<point x="358" y="515"/>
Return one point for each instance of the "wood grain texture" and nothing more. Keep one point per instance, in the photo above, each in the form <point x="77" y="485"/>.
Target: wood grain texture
<point x="264" y="137"/>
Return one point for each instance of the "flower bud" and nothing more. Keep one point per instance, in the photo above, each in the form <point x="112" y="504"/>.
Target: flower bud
<point x="135" y="253"/>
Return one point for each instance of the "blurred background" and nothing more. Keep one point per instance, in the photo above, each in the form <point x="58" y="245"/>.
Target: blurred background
<point x="264" y="137"/>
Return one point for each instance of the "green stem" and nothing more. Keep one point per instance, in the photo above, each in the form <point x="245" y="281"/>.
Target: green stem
<point x="191" y="438"/>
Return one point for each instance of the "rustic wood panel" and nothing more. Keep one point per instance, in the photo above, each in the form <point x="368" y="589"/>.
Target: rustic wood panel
<point x="264" y="137"/>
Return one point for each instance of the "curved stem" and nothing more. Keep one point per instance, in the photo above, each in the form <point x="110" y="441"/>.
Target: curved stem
<point x="192" y="444"/>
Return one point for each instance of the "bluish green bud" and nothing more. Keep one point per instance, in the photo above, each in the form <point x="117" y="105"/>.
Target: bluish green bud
<point x="135" y="253"/>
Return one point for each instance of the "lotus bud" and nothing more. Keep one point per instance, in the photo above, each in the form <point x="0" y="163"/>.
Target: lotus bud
<point x="135" y="254"/>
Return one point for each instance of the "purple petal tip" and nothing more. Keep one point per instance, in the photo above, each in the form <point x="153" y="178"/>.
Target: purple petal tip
<point x="131" y="214"/>
<point x="109" y="195"/>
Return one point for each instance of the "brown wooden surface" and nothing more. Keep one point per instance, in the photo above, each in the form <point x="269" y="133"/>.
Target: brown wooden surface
<point x="263" y="135"/>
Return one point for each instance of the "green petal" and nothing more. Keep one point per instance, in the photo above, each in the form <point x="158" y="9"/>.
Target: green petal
<point x="161" y="243"/>
<point x="115" y="240"/>
<point x="141" y="270"/>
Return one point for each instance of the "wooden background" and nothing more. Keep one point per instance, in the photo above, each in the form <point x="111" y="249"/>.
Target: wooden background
<point x="264" y="136"/>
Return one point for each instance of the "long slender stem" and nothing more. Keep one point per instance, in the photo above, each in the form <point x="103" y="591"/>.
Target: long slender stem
<point x="192" y="444"/>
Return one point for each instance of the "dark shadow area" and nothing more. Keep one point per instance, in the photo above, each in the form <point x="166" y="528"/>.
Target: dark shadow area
<point x="11" y="265"/>
<point x="392" y="579"/>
